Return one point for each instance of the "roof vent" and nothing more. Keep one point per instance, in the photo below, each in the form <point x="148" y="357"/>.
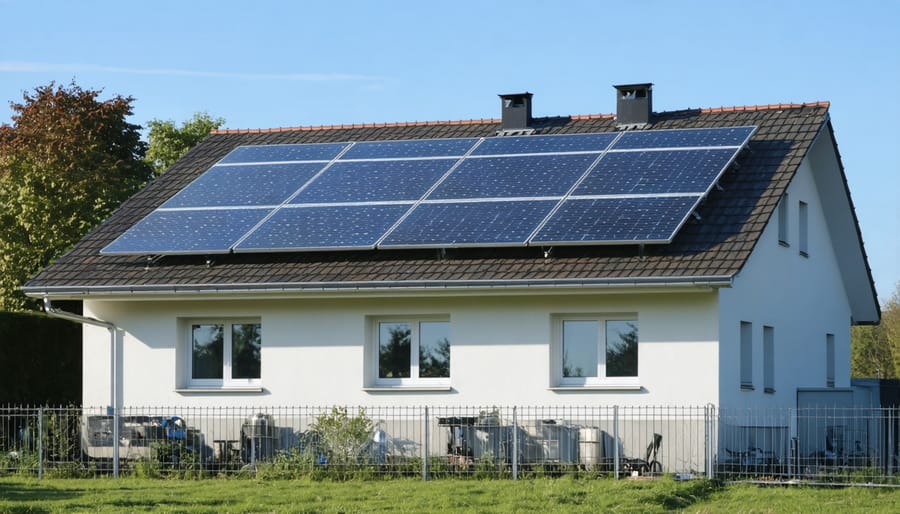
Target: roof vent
<point x="516" y="110"/>
<point x="634" y="105"/>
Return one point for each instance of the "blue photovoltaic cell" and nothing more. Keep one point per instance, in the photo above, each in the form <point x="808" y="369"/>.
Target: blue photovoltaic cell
<point x="729" y="136"/>
<point x="275" y="153"/>
<point x="472" y="223"/>
<point x="615" y="220"/>
<point x="545" y="144"/>
<point x="407" y="149"/>
<point x="305" y="228"/>
<point x="370" y="181"/>
<point x="194" y="231"/>
<point x="256" y="184"/>
<point x="661" y="171"/>
<point x="517" y="176"/>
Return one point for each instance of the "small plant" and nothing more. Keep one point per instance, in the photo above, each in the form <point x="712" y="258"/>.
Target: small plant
<point x="343" y="441"/>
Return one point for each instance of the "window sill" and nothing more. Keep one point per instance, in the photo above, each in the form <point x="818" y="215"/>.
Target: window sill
<point x="769" y="390"/>
<point x="219" y="390"/>
<point x="784" y="244"/>
<point x="804" y="254"/>
<point x="406" y="388"/>
<point x="747" y="388"/>
<point x="607" y="387"/>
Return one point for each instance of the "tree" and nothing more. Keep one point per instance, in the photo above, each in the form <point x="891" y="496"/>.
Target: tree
<point x="66" y="162"/>
<point x="168" y="142"/>
<point x="875" y="350"/>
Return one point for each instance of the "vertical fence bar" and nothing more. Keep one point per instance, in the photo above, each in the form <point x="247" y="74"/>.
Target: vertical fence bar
<point x="40" y="442"/>
<point x="426" y="437"/>
<point x="616" y="441"/>
<point x="515" y="445"/>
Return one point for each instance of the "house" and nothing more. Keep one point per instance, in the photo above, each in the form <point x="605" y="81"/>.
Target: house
<point x="742" y="296"/>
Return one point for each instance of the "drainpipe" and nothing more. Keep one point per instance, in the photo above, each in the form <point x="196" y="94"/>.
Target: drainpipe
<point x="84" y="320"/>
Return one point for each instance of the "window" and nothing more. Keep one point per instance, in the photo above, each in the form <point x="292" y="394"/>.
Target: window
<point x="768" y="359"/>
<point x="804" y="230"/>
<point x="746" y="356"/>
<point x="412" y="352"/>
<point x="783" y="208"/>
<point x="829" y="360"/>
<point x="598" y="351"/>
<point x="224" y="354"/>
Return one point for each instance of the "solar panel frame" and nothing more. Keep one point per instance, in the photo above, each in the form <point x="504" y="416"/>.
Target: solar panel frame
<point x="444" y="193"/>
<point x="680" y="207"/>
<point x="287" y="220"/>
<point x="211" y="224"/>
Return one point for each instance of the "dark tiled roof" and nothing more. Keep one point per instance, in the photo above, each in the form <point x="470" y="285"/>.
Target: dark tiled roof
<point x="718" y="245"/>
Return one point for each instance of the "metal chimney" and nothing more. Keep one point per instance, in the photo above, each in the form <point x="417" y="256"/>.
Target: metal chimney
<point x="634" y="105"/>
<point x="516" y="113"/>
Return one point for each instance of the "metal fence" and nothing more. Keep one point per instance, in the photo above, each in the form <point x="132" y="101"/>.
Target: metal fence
<point x="834" y="445"/>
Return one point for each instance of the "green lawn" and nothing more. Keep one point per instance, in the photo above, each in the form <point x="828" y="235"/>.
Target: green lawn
<point x="445" y="496"/>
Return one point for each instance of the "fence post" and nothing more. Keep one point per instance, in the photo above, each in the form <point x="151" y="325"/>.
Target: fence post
<point x="427" y="432"/>
<point x="710" y="413"/>
<point x="515" y="445"/>
<point x="616" y="441"/>
<point x="40" y="442"/>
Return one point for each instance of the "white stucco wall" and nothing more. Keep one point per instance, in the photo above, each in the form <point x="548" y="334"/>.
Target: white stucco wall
<point x="802" y="298"/>
<point x="314" y="349"/>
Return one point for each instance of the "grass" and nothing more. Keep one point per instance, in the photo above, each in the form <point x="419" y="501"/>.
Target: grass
<point x="26" y="495"/>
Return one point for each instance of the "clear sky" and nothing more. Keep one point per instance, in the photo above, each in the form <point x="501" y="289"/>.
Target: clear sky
<point x="270" y="64"/>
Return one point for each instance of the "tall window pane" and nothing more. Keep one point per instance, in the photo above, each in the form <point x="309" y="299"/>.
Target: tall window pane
<point x="768" y="359"/>
<point x="621" y="349"/>
<point x="580" y="344"/>
<point x="829" y="360"/>
<point x="746" y="355"/>
<point x="394" y="350"/>
<point x="246" y="341"/>
<point x="434" y="349"/>
<point x="207" y="344"/>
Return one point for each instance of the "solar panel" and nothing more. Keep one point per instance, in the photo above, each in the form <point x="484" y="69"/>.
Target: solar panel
<point x="545" y="144"/>
<point x="323" y="227"/>
<point x="368" y="181"/>
<point x="601" y="188"/>
<point x="616" y="220"/>
<point x="518" y="176"/>
<point x="454" y="224"/>
<point x="258" y="184"/>
<point x="206" y="231"/>
<point x="656" y="172"/>
<point x="684" y="138"/>
<point x="279" y="153"/>
<point x="411" y="148"/>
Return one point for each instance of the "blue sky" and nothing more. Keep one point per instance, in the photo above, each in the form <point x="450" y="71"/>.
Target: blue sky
<point x="272" y="64"/>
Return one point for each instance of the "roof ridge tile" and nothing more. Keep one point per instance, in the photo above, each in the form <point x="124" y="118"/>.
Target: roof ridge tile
<point x="482" y="121"/>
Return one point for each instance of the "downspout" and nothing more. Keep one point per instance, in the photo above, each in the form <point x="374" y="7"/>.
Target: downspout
<point x="84" y="320"/>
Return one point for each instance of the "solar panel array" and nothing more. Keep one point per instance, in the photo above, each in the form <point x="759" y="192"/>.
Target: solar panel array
<point x="598" y="188"/>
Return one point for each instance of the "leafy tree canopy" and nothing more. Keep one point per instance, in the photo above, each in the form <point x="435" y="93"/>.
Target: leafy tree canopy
<point x="66" y="162"/>
<point x="168" y="142"/>
<point x="875" y="350"/>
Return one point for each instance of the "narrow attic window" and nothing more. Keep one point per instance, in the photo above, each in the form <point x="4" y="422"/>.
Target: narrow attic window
<point x="746" y="356"/>
<point x="829" y="360"/>
<point x="768" y="359"/>
<point x="783" y="208"/>
<point x="804" y="229"/>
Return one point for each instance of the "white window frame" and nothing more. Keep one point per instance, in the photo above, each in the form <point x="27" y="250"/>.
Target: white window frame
<point x="226" y="382"/>
<point x="414" y="380"/>
<point x="601" y="380"/>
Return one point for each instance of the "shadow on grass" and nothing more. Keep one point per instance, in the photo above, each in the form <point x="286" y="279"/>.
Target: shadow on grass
<point x="683" y="497"/>
<point x="25" y="495"/>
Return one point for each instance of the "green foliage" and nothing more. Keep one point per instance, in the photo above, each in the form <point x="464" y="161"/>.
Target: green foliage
<point x="343" y="439"/>
<point x="34" y="347"/>
<point x="66" y="162"/>
<point x="875" y="350"/>
<point x="169" y="143"/>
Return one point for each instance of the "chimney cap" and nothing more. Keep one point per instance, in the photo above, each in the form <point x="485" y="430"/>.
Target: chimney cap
<point x="643" y="85"/>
